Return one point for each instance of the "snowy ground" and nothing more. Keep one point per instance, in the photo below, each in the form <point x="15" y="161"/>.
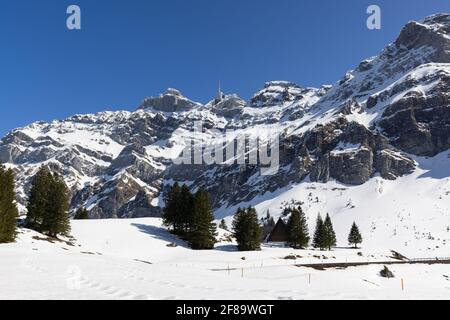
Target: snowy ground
<point x="130" y="259"/>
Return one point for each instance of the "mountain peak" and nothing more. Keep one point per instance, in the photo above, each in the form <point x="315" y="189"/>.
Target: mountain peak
<point x="170" y="101"/>
<point x="173" y="92"/>
<point x="432" y="31"/>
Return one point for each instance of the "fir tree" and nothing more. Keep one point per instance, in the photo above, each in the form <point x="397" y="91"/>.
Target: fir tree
<point x="223" y="225"/>
<point x="8" y="209"/>
<point x="172" y="208"/>
<point x="202" y="233"/>
<point x="271" y="222"/>
<point x="56" y="218"/>
<point x="354" y="238"/>
<point x="38" y="199"/>
<point x="184" y="214"/>
<point x="298" y="229"/>
<point x="246" y="229"/>
<point x="81" y="214"/>
<point x="329" y="234"/>
<point x="319" y="234"/>
<point x="48" y="204"/>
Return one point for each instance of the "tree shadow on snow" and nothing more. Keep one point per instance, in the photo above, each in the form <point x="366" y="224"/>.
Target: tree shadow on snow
<point x="160" y="234"/>
<point x="226" y="248"/>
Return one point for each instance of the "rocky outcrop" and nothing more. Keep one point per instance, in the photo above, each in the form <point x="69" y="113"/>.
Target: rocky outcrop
<point x="229" y="106"/>
<point x="419" y="123"/>
<point x="352" y="154"/>
<point x="171" y="101"/>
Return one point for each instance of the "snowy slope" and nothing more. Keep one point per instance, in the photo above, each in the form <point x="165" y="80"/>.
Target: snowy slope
<point x="410" y="215"/>
<point x="129" y="259"/>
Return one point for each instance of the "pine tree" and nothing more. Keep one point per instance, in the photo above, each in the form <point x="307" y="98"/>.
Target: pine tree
<point x="48" y="204"/>
<point x="298" y="229"/>
<point x="179" y="210"/>
<point x="329" y="234"/>
<point x="8" y="209"/>
<point x="202" y="233"/>
<point x="223" y="225"/>
<point x="271" y="222"/>
<point x="38" y="199"/>
<point x="171" y="208"/>
<point x="56" y="219"/>
<point x="81" y="214"/>
<point x="319" y="234"/>
<point x="247" y="230"/>
<point x="184" y="214"/>
<point x="354" y="238"/>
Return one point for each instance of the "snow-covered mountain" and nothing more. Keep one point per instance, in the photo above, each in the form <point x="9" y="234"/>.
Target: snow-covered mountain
<point x="378" y="139"/>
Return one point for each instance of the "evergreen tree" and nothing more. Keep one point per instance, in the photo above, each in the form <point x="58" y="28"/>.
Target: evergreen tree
<point x="271" y="223"/>
<point x="56" y="219"/>
<point x="48" y="204"/>
<point x="178" y="213"/>
<point x="81" y="214"/>
<point x="319" y="234"/>
<point x="202" y="233"/>
<point x="8" y="209"/>
<point x="246" y="229"/>
<point x="172" y="208"/>
<point x="223" y="225"/>
<point x="354" y="238"/>
<point x="298" y="229"/>
<point x="38" y="199"/>
<point x="329" y="234"/>
<point x="185" y="213"/>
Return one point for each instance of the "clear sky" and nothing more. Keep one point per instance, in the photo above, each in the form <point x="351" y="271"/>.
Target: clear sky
<point x="130" y="49"/>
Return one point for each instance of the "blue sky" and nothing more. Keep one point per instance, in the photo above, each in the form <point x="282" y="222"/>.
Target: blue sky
<point x="127" y="50"/>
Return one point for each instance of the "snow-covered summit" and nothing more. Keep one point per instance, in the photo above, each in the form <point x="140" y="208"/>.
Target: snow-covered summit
<point x="171" y="101"/>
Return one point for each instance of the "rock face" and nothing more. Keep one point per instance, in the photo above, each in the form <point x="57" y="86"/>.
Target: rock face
<point x="354" y="154"/>
<point x="372" y="122"/>
<point x="171" y="101"/>
<point x="228" y="106"/>
<point x="419" y="123"/>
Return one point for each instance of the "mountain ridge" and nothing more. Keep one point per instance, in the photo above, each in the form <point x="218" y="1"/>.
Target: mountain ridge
<point x="373" y="122"/>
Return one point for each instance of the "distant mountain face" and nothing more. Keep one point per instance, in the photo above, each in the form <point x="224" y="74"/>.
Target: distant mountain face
<point x="391" y="108"/>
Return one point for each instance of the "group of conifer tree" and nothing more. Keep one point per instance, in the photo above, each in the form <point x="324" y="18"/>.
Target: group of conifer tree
<point x="8" y="209"/>
<point x="48" y="204"/>
<point x="324" y="235"/>
<point x="190" y="216"/>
